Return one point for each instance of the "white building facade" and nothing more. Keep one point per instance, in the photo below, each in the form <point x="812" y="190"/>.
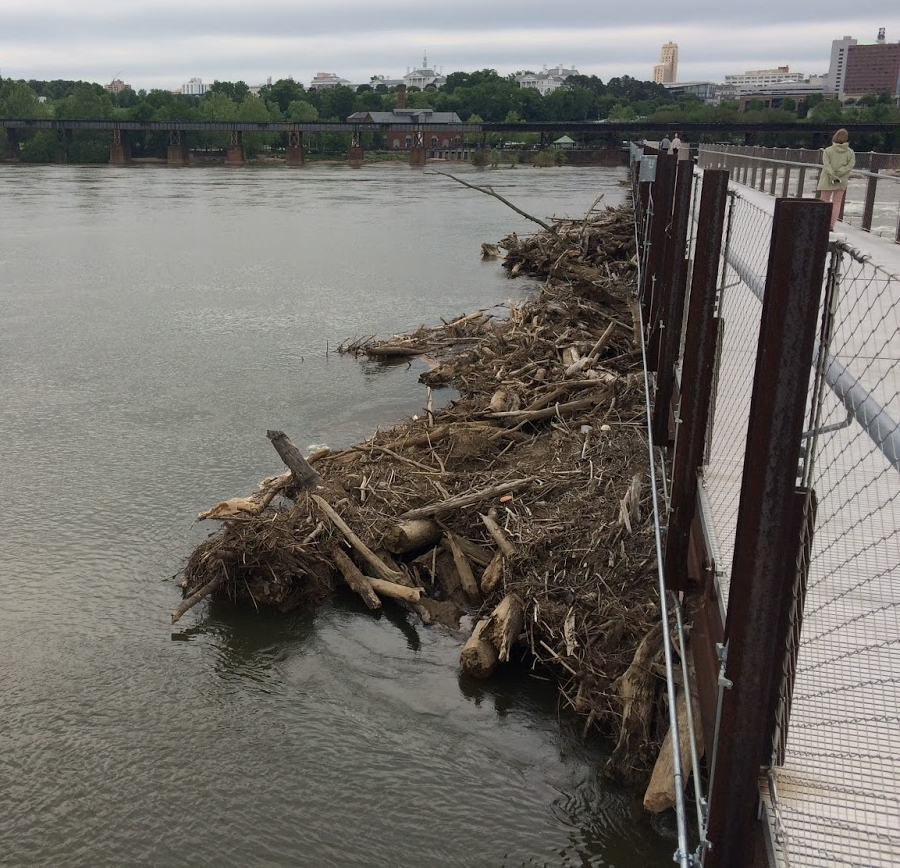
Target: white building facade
<point x="325" y="80"/>
<point x="837" y="69"/>
<point x="194" y="87"/>
<point x="547" y="80"/>
<point x="757" y="78"/>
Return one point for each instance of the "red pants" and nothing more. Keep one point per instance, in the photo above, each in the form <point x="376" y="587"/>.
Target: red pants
<point x="836" y="197"/>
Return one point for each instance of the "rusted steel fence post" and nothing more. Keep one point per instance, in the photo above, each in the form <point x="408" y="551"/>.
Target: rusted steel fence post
<point x="671" y="307"/>
<point x="765" y="517"/>
<point x="696" y="376"/>
<point x="661" y="194"/>
<point x="871" y="187"/>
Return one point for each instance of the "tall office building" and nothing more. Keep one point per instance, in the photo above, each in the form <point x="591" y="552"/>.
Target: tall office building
<point x="873" y="68"/>
<point x="837" y="71"/>
<point x="666" y="71"/>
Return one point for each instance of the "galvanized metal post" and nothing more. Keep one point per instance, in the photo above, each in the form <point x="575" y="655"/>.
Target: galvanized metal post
<point x="696" y="376"/>
<point x="869" y="207"/>
<point x="762" y="541"/>
<point x="672" y="302"/>
<point x="786" y="186"/>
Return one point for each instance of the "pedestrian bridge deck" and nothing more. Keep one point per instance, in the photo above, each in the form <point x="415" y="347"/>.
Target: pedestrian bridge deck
<point x="836" y="798"/>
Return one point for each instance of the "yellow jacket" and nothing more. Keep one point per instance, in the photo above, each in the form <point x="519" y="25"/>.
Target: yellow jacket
<point x="837" y="164"/>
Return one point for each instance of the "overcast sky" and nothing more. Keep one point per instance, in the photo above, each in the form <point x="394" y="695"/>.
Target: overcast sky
<point x="163" y="43"/>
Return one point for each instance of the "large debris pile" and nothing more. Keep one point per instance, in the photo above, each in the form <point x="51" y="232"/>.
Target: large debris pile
<point x="524" y="501"/>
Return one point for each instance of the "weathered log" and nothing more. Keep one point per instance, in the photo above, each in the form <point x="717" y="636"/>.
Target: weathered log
<point x="392" y="351"/>
<point x="371" y="558"/>
<point x="355" y="579"/>
<point x="567" y="409"/>
<point x="411" y="535"/>
<point x="494" y="529"/>
<point x="507" y="621"/>
<point x="630" y="505"/>
<point x="195" y="598"/>
<point x="570" y="356"/>
<point x="466" y="576"/>
<point x="394" y="591"/>
<point x="492" y="574"/>
<point x="660" y="794"/>
<point x="579" y="365"/>
<point x="636" y="691"/>
<point x="407" y="581"/>
<point x="305" y="477"/>
<point x="490" y="192"/>
<point x="469" y="499"/>
<point x="498" y="401"/>
<point x="474" y="552"/>
<point x="478" y="658"/>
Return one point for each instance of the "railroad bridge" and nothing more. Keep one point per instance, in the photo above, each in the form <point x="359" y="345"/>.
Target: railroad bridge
<point x="413" y="137"/>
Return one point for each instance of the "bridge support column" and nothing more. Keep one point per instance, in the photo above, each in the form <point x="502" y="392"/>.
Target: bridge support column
<point x="119" y="149"/>
<point x="417" y="155"/>
<point x="64" y="140"/>
<point x="355" y="155"/>
<point x="12" y="144"/>
<point x="234" y="153"/>
<point x="296" y="156"/>
<point x="177" y="154"/>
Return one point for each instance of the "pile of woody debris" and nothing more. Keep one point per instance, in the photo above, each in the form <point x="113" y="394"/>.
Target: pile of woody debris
<point x="524" y="501"/>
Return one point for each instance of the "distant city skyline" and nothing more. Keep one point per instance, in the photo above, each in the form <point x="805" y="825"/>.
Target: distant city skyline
<point x="166" y="43"/>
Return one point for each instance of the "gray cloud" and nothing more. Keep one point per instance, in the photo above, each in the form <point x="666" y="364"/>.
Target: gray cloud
<point x="161" y="44"/>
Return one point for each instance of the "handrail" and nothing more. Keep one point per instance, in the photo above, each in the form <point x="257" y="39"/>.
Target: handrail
<point x="816" y="166"/>
<point x="872" y="417"/>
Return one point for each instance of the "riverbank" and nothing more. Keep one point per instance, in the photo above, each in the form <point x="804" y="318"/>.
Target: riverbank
<point x="523" y="502"/>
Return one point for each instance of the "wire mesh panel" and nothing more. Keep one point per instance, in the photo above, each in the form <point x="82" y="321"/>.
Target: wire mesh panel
<point x="839" y="785"/>
<point x="748" y="230"/>
<point x="833" y="796"/>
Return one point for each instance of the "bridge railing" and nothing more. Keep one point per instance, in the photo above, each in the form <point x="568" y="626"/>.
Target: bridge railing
<point x="826" y="658"/>
<point x="872" y="201"/>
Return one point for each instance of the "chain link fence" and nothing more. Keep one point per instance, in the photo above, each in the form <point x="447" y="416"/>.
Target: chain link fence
<point x="833" y="794"/>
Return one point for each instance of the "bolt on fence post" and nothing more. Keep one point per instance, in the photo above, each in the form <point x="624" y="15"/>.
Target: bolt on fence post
<point x="671" y="309"/>
<point x="698" y="363"/>
<point x="793" y="290"/>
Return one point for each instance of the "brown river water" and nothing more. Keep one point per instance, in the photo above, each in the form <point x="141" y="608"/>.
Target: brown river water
<point x="154" y="322"/>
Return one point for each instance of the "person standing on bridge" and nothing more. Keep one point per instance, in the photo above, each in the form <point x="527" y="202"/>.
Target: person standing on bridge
<point x="665" y="144"/>
<point x="837" y="164"/>
<point x="675" y="145"/>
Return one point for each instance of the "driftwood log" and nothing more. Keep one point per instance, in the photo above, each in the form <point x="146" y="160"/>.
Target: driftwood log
<point x="507" y="621"/>
<point x="355" y="580"/>
<point x="408" y="536"/>
<point x="373" y="560"/>
<point x="305" y="478"/>
<point x="473" y="497"/>
<point x="636" y="690"/>
<point x="479" y="657"/>
<point x="660" y="794"/>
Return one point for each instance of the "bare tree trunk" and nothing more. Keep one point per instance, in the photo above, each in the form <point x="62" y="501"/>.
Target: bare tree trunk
<point x="305" y="477"/>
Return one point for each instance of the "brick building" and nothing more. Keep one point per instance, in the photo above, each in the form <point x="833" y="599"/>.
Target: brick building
<point x="873" y="68"/>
